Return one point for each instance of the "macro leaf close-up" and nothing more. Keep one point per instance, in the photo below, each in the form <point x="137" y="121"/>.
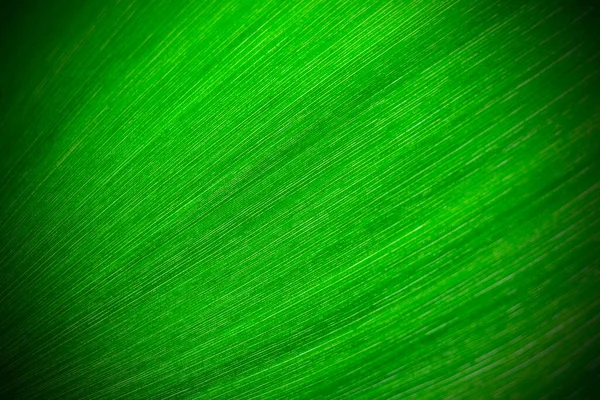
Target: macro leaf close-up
<point x="316" y="199"/>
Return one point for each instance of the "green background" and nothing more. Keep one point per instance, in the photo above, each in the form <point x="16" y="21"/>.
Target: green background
<point x="299" y="199"/>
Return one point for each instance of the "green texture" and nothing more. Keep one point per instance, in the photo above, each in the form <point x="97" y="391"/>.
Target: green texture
<point x="299" y="199"/>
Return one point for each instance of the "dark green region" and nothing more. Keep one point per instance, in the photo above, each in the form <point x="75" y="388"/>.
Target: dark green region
<point x="299" y="199"/>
